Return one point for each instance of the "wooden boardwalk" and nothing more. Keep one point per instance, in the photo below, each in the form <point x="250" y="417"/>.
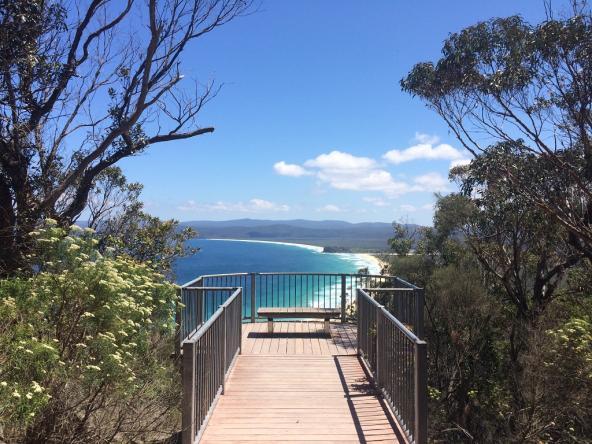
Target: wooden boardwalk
<point x="297" y="385"/>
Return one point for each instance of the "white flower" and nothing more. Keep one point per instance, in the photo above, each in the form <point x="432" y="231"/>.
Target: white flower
<point x="16" y="394"/>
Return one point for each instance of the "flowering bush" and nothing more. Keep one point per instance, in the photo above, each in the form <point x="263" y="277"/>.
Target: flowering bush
<point x="85" y="345"/>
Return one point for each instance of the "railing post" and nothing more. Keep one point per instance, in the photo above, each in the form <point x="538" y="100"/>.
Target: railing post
<point x="188" y="410"/>
<point x="421" y="393"/>
<point x="240" y="323"/>
<point x="199" y="304"/>
<point x="253" y="307"/>
<point x="419" y="306"/>
<point x="178" y="322"/>
<point x="358" y="318"/>
<point x="377" y="342"/>
<point x="223" y="350"/>
<point x="343" y="299"/>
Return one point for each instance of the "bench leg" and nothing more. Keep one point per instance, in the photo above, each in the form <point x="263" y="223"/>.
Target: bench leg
<point x="327" y="327"/>
<point x="269" y="325"/>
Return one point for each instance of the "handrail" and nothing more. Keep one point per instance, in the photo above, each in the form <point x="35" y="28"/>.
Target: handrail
<point x="198" y="305"/>
<point x="407" y="310"/>
<point x="397" y="359"/>
<point x="193" y="281"/>
<point x="295" y="289"/>
<point x="208" y="357"/>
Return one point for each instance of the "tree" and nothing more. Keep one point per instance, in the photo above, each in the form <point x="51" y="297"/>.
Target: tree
<point x="402" y="241"/>
<point x="79" y="92"/>
<point x="118" y="217"/>
<point x="506" y="82"/>
<point x="524" y="254"/>
<point x="85" y="346"/>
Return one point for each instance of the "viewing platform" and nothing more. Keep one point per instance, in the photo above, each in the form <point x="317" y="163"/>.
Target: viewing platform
<point x="364" y="382"/>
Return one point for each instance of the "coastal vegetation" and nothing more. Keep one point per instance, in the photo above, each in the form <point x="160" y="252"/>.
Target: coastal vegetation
<point x="87" y="313"/>
<point x="85" y="345"/>
<point x="79" y="93"/>
<point x="507" y="265"/>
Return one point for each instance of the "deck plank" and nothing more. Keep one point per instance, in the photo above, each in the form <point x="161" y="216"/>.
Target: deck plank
<point x="298" y="338"/>
<point x="321" y="399"/>
<point x="299" y="385"/>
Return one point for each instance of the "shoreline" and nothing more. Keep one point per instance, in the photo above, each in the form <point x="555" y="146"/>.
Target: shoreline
<point x="361" y="260"/>
<point x="292" y="244"/>
<point x="378" y="263"/>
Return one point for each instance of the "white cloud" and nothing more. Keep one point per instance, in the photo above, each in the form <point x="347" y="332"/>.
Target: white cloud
<point x="459" y="162"/>
<point x="427" y="147"/>
<point x="330" y="208"/>
<point x="408" y="208"/>
<point x="426" y="138"/>
<point x="290" y="169"/>
<point x="430" y="182"/>
<point x="376" y="201"/>
<point x="261" y="204"/>
<point x="338" y="160"/>
<point x="344" y="171"/>
<point x="254" y="205"/>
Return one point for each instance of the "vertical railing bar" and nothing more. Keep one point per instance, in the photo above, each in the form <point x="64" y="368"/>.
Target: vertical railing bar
<point x="419" y="306"/>
<point x="189" y="387"/>
<point x="253" y="310"/>
<point x="343" y="300"/>
<point x="224" y="357"/>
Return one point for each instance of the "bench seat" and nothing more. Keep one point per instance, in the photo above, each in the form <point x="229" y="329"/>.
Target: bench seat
<point x="272" y="313"/>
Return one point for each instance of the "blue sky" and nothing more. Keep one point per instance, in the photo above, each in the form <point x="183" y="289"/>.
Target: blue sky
<point x="311" y="122"/>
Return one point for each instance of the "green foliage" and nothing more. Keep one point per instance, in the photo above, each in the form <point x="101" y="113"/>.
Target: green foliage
<point x="563" y="361"/>
<point x="516" y="96"/>
<point x="117" y="214"/>
<point x="487" y="382"/>
<point x="401" y="243"/>
<point x="83" y="342"/>
<point x="464" y="329"/>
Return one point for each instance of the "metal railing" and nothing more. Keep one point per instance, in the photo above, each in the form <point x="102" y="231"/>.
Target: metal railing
<point x="209" y="351"/>
<point x="198" y="304"/>
<point x="397" y="359"/>
<point x="327" y="290"/>
<point x="405" y="304"/>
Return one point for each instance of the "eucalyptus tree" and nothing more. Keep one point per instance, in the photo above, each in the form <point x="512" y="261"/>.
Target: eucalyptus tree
<point x="524" y="255"/>
<point x="84" y="85"/>
<point x="508" y="82"/>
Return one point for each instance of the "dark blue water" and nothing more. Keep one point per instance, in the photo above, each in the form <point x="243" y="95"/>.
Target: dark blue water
<point x="225" y="256"/>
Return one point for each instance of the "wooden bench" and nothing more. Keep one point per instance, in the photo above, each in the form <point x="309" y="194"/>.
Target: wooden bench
<point x="272" y="313"/>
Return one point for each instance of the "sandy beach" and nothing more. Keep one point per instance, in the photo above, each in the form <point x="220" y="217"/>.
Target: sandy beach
<point x="376" y="263"/>
<point x="362" y="260"/>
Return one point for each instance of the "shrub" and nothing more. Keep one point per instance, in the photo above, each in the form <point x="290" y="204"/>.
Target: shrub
<point x="85" y="346"/>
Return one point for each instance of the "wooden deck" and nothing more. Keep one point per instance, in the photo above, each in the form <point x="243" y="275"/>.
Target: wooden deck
<point x="299" y="338"/>
<point x="297" y="385"/>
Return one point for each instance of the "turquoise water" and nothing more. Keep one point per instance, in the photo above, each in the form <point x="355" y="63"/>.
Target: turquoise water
<point x="227" y="256"/>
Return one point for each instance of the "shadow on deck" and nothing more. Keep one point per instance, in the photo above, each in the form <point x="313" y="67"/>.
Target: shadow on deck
<point x="300" y="385"/>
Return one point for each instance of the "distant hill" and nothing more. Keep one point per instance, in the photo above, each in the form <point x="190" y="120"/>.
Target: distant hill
<point x="365" y="236"/>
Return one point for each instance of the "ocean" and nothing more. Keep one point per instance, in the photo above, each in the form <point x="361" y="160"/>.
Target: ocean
<point x="237" y="256"/>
